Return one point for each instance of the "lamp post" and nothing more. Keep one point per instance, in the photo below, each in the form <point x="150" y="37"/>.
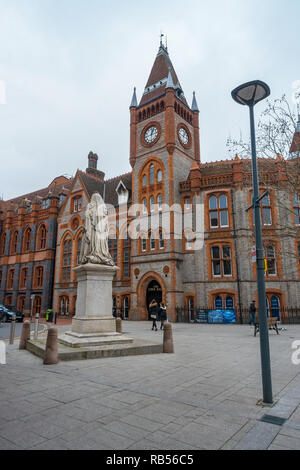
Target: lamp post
<point x="249" y="94"/>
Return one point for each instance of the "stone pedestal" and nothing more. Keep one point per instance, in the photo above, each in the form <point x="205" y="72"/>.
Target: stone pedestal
<point x="93" y="323"/>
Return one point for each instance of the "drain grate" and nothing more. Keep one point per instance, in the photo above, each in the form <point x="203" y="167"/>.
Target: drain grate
<point x="273" y="420"/>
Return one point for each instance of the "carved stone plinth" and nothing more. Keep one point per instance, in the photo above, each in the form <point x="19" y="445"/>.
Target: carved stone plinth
<point x="93" y="324"/>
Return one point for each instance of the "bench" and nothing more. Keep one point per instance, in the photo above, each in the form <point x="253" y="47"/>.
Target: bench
<point x="272" y="325"/>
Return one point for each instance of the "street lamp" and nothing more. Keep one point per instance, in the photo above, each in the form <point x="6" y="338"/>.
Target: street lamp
<point x="249" y="95"/>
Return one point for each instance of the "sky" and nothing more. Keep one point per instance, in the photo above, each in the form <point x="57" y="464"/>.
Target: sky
<point x="68" y="69"/>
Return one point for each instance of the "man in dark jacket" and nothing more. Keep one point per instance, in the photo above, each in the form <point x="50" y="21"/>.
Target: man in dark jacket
<point x="252" y="312"/>
<point x="153" y="309"/>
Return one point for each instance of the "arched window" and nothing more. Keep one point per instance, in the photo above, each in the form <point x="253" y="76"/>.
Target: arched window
<point x="159" y="176"/>
<point x="67" y="260"/>
<point x="23" y="277"/>
<point x="126" y="257"/>
<point x="152" y="203"/>
<point x="125" y="307"/>
<point x="161" y="240"/>
<point x="145" y="206"/>
<point x="10" y="278"/>
<point x="14" y="243"/>
<point x="296" y="208"/>
<point x="2" y="243"/>
<point x="27" y="239"/>
<point x="113" y="249"/>
<point x="144" y="243"/>
<point x="64" y="305"/>
<point x="37" y="304"/>
<point x="218" y="302"/>
<point x="21" y="303"/>
<point x="218" y="211"/>
<point x="42" y="237"/>
<point x="145" y="179"/>
<point x="79" y="242"/>
<point x="229" y="303"/>
<point x="159" y="202"/>
<point x="271" y="260"/>
<point x="151" y="171"/>
<point x="152" y="242"/>
<point x="266" y="210"/>
<point x="38" y="277"/>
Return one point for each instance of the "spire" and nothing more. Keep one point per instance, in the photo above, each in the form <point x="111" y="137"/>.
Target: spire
<point x="162" y="73"/>
<point x="170" y="83"/>
<point x="134" y="100"/>
<point x="195" y="105"/>
<point x="295" y="147"/>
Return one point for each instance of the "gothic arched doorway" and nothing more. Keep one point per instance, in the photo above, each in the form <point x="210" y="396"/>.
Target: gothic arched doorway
<point x="154" y="292"/>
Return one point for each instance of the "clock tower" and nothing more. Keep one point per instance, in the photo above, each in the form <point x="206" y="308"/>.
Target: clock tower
<point x="164" y="145"/>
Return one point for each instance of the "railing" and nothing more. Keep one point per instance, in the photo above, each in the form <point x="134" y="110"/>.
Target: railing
<point x="286" y="315"/>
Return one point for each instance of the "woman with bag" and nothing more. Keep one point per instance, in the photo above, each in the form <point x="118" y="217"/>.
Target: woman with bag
<point x="153" y="309"/>
<point x="163" y="315"/>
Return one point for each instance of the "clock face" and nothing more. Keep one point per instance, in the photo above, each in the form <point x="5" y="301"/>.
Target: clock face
<point x="183" y="136"/>
<point x="151" y="134"/>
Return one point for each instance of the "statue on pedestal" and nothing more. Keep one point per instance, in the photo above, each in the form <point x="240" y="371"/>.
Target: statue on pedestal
<point x="94" y="247"/>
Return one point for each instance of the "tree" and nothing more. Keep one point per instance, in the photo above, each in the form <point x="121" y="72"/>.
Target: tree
<point x="275" y="129"/>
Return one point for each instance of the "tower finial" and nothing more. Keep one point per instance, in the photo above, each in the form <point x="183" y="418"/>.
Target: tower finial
<point x="161" y="36"/>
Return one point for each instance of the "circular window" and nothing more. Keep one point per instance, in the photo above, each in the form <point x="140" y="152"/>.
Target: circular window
<point x="184" y="136"/>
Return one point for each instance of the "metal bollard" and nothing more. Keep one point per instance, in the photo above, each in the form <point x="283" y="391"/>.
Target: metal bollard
<point x="36" y="327"/>
<point x="12" y="330"/>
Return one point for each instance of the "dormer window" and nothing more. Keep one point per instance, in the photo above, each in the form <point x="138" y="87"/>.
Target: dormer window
<point x="45" y="203"/>
<point x="122" y="194"/>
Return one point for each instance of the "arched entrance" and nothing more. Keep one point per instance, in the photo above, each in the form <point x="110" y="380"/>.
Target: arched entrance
<point x="154" y="292"/>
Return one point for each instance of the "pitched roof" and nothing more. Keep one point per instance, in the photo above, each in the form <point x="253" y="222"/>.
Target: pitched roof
<point x="60" y="184"/>
<point x="107" y="189"/>
<point x="156" y="84"/>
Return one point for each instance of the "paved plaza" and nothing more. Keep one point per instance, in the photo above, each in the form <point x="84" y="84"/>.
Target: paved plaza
<point x="202" y="397"/>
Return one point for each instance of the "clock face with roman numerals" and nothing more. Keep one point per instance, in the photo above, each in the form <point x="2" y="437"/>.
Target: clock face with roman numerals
<point x="151" y="134"/>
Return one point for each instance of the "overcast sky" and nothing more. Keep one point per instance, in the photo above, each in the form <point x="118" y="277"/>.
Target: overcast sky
<point x="68" y="68"/>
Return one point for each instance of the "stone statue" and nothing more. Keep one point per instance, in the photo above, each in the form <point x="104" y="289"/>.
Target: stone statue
<point x="94" y="247"/>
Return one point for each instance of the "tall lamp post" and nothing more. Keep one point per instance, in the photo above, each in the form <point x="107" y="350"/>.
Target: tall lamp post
<point x="249" y="94"/>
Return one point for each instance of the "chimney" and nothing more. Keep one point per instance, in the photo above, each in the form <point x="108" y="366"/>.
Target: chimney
<point x="92" y="167"/>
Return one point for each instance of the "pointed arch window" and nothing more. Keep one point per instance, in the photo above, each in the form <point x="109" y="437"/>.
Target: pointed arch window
<point x="38" y="277"/>
<point x="42" y="237"/>
<point x="151" y="173"/>
<point x="145" y="180"/>
<point x="145" y="206"/>
<point x="126" y="257"/>
<point x="113" y="249"/>
<point x="79" y="243"/>
<point x="67" y="260"/>
<point x="159" y="176"/>
<point x="10" y="278"/>
<point x="23" y="277"/>
<point x="2" y="244"/>
<point x="296" y="208"/>
<point x="14" y="243"/>
<point x="152" y="204"/>
<point x="27" y="240"/>
<point x="159" y="202"/>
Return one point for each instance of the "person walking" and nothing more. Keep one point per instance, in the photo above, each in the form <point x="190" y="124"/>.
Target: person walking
<point x="163" y="315"/>
<point x="153" y="309"/>
<point x="252" y="311"/>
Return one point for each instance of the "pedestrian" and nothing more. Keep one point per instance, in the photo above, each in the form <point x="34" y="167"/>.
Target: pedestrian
<point x="163" y="315"/>
<point x="252" y="311"/>
<point x="153" y="309"/>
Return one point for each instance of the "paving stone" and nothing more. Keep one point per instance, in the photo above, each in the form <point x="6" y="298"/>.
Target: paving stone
<point x="282" y="440"/>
